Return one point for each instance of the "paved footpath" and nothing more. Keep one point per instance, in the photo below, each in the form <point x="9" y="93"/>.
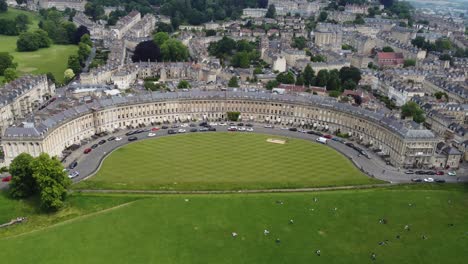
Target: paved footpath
<point x="374" y="167"/>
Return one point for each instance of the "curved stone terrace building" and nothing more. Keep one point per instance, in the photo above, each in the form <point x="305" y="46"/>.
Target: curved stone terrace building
<point x="403" y="146"/>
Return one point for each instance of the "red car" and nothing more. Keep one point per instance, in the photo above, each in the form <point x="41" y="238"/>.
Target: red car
<point x="439" y="173"/>
<point x="155" y="129"/>
<point x="328" y="136"/>
<point x="6" y="179"/>
<point x="88" y="150"/>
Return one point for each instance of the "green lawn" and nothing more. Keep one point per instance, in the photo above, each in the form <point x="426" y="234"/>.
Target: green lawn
<point x="53" y="59"/>
<point x="224" y="161"/>
<point x="197" y="229"/>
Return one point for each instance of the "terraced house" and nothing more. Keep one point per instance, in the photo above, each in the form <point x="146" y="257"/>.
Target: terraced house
<point x="402" y="145"/>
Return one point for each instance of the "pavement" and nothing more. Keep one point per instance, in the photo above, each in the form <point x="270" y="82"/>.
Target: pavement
<point x="374" y="166"/>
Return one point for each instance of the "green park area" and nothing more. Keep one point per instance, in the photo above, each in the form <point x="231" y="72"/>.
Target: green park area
<point x="222" y="161"/>
<point x="53" y="59"/>
<point x="346" y="226"/>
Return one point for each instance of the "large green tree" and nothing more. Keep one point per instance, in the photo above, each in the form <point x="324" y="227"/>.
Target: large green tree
<point x="412" y="109"/>
<point x="22" y="182"/>
<point x="173" y="50"/>
<point x="51" y="180"/>
<point x="10" y="74"/>
<point x="74" y="63"/>
<point x="3" y="6"/>
<point x="233" y="82"/>
<point x="271" y="12"/>
<point x="322" y="78"/>
<point x="309" y="75"/>
<point x="6" y="61"/>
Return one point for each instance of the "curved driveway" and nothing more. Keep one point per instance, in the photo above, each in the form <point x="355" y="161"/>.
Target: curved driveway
<point x="88" y="164"/>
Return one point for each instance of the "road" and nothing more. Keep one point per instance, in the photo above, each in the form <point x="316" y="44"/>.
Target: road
<point x="375" y="167"/>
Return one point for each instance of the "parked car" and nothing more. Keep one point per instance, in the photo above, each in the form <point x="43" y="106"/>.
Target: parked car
<point x="293" y="129"/>
<point x="451" y="173"/>
<point x="249" y="125"/>
<point x="268" y="126"/>
<point x="175" y="126"/>
<point x="193" y="125"/>
<point x="111" y="138"/>
<point x="73" y="165"/>
<point x="249" y="129"/>
<point x="419" y="172"/>
<point x="102" y="142"/>
<point x="193" y="130"/>
<point x="181" y="131"/>
<point x="439" y="173"/>
<point x="88" y="150"/>
<point x="430" y="173"/>
<point x="409" y="172"/>
<point x="428" y="180"/>
<point x="328" y="136"/>
<point x="204" y="129"/>
<point x="349" y="144"/>
<point x="233" y="128"/>
<point x="6" y="179"/>
<point x="212" y="129"/>
<point x="94" y="146"/>
<point x="202" y="124"/>
<point x="151" y="134"/>
<point x="118" y="138"/>
<point x="132" y="138"/>
<point x="284" y="128"/>
<point x="164" y="127"/>
<point x="129" y="133"/>
<point x="240" y="124"/>
<point x="73" y="174"/>
<point x="416" y="180"/>
<point x="171" y="131"/>
<point x="222" y="124"/>
<point x="439" y="180"/>
<point x="154" y="129"/>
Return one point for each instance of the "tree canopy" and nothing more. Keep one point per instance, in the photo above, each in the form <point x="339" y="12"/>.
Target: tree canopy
<point x="42" y="176"/>
<point x="412" y="109"/>
<point x="31" y="41"/>
<point x="6" y="61"/>
<point x="147" y="51"/>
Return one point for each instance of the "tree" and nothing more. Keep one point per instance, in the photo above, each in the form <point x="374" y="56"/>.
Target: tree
<point x="387" y="49"/>
<point x="333" y="83"/>
<point x="439" y="95"/>
<point x="271" y="84"/>
<point x="241" y="60"/>
<point x="147" y="51"/>
<point x="94" y="11"/>
<point x="359" y="20"/>
<point x="285" y="77"/>
<point x="387" y="3"/>
<point x="51" y="180"/>
<point x="349" y="84"/>
<point x="322" y="16"/>
<point x="352" y="73"/>
<point x="299" y="43"/>
<point x="31" y="41"/>
<point x="233" y="82"/>
<point x="271" y="12"/>
<point x="419" y="42"/>
<point x="6" y="61"/>
<point x="442" y="44"/>
<point x="10" y="74"/>
<point x="173" y="50"/>
<point x="3" y="6"/>
<point x="322" y="78"/>
<point x="309" y="75"/>
<point x="412" y="109"/>
<point x="300" y="80"/>
<point x="22" y="183"/>
<point x="80" y="32"/>
<point x="233" y="116"/>
<point x="22" y="22"/>
<point x="160" y="37"/>
<point x="51" y="77"/>
<point x="183" y="84"/>
<point x="74" y="63"/>
<point x="262" y="3"/>
<point x="68" y="75"/>
<point x="163" y="27"/>
<point x="83" y="52"/>
<point x="409" y="63"/>
<point x="86" y="39"/>
<point x="334" y="93"/>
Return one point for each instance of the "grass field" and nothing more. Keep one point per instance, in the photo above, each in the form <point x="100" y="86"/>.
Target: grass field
<point x="197" y="229"/>
<point x="53" y="59"/>
<point x="224" y="161"/>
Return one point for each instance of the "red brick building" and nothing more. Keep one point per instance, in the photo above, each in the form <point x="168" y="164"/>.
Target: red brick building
<point x="390" y="59"/>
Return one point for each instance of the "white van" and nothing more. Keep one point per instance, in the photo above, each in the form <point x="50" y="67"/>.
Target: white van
<point x="322" y="140"/>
